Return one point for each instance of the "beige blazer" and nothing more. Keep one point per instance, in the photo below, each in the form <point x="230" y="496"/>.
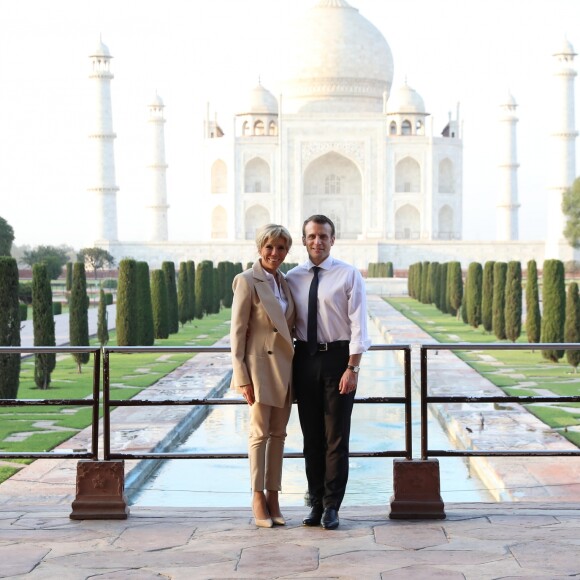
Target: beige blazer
<point x="261" y="338"/>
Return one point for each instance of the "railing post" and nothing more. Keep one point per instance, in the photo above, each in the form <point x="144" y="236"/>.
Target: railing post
<point x="416" y="482"/>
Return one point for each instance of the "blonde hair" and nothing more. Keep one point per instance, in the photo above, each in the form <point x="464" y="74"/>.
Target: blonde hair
<point x="271" y="232"/>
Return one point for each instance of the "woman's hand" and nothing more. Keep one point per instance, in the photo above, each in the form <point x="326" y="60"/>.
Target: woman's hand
<point x="248" y="392"/>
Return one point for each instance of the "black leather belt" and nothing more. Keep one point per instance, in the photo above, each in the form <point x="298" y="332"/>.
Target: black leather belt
<point x="323" y="346"/>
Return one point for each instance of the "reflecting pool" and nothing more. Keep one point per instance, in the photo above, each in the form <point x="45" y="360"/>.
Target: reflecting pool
<point x="225" y="482"/>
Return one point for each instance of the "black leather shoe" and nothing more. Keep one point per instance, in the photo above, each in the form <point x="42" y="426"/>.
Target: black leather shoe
<point x="330" y="519"/>
<point x="314" y="517"/>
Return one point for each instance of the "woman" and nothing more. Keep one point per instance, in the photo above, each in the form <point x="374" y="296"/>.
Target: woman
<point x="262" y="350"/>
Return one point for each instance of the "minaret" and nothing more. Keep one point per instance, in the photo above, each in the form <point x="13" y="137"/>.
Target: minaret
<point x="102" y="141"/>
<point x="507" y="205"/>
<point x="564" y="149"/>
<point x="157" y="169"/>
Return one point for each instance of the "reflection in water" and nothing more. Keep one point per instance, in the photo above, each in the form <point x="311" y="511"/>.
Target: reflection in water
<point x="225" y="482"/>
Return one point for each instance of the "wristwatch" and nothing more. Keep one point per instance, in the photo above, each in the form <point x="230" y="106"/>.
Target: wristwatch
<point x="354" y="369"/>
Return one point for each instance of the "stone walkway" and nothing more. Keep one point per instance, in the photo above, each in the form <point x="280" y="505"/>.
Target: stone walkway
<point x="478" y="541"/>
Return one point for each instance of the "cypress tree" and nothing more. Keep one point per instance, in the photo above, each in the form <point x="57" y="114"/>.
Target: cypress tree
<point x="127" y="304"/>
<point x="216" y="301"/>
<point x="533" y="316"/>
<point x="203" y="288"/>
<point x="443" y="288"/>
<point x="190" y="290"/>
<point x="182" y="301"/>
<point x="9" y="327"/>
<point x="498" y="304"/>
<point x="513" y="301"/>
<point x="390" y="272"/>
<point x="172" y="309"/>
<point x="410" y="273"/>
<point x="554" y="302"/>
<point x="43" y="324"/>
<point x="463" y="309"/>
<point x="160" y="304"/>
<point x="78" y="314"/>
<point x="145" y="335"/>
<point x="221" y="268"/>
<point x="454" y="288"/>
<point x="102" y="320"/>
<point x="572" y="325"/>
<point x="487" y="296"/>
<point x="473" y="294"/>
<point x="69" y="273"/>
<point x="229" y="293"/>
<point x="434" y="282"/>
<point x="424" y="292"/>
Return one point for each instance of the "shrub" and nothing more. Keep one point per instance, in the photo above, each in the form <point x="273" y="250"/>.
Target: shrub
<point x="190" y="290"/>
<point x="23" y="311"/>
<point x="554" y="302"/>
<point x="56" y="308"/>
<point x="434" y="282"/>
<point x="159" y="302"/>
<point x="43" y="324"/>
<point x="572" y="324"/>
<point x="425" y="296"/>
<point x="25" y="292"/>
<point x="9" y="327"/>
<point x="498" y="304"/>
<point x="108" y="298"/>
<point x="473" y="294"/>
<point x="145" y="334"/>
<point x="454" y="288"/>
<point x="182" y="300"/>
<point x="513" y="301"/>
<point x="102" y="320"/>
<point x="69" y="274"/>
<point x="203" y="288"/>
<point x="229" y="293"/>
<point x="443" y="288"/>
<point x="389" y="273"/>
<point x="127" y="304"/>
<point x="78" y="314"/>
<point x="533" y="316"/>
<point x="487" y="296"/>
<point x="172" y="309"/>
<point x="109" y="283"/>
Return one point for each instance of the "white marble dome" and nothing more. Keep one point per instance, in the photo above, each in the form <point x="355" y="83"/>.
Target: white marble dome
<point x="101" y="50"/>
<point x="259" y="101"/>
<point x="565" y="49"/>
<point x="336" y="61"/>
<point x="406" y="100"/>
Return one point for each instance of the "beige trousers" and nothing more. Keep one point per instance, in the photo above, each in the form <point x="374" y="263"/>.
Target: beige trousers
<point x="266" y="445"/>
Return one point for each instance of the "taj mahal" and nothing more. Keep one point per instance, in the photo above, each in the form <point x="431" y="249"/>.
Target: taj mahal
<point x="341" y="140"/>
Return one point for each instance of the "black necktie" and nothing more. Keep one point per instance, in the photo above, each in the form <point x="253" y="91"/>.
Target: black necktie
<point x="312" y="323"/>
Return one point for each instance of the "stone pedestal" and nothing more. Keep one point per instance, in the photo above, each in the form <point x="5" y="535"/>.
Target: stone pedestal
<point x="100" y="491"/>
<point x="417" y="490"/>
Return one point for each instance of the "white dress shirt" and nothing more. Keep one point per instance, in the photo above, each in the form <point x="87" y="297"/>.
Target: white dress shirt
<point x="277" y="289"/>
<point x="342" y="312"/>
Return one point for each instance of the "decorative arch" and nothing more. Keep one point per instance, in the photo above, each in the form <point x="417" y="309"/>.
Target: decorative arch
<point x="407" y="223"/>
<point x="406" y="127"/>
<point x="257" y="176"/>
<point x="446" y="181"/>
<point x="446" y="226"/>
<point x="256" y="217"/>
<point x="333" y="186"/>
<point x="393" y="128"/>
<point x="219" y="177"/>
<point x="245" y="128"/>
<point x="259" y="128"/>
<point x="408" y="176"/>
<point x="273" y="129"/>
<point x="219" y="223"/>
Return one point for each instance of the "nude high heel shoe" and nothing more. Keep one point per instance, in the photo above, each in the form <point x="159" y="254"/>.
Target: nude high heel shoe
<point x="267" y="523"/>
<point x="278" y="520"/>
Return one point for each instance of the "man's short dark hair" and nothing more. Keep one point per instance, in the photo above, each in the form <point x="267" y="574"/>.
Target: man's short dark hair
<point x="318" y="219"/>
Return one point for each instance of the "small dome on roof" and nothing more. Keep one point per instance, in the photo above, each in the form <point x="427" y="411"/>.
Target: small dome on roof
<point x="101" y="50"/>
<point x="565" y="49"/>
<point x="157" y="101"/>
<point x="509" y="101"/>
<point x="405" y="100"/>
<point x="260" y="101"/>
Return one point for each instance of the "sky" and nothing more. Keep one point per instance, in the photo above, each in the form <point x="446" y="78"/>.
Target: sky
<point x="192" y="52"/>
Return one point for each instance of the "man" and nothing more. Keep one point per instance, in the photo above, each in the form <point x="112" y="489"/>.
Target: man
<point x="329" y="346"/>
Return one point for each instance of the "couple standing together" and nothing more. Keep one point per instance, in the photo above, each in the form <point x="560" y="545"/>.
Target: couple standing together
<point x="299" y="337"/>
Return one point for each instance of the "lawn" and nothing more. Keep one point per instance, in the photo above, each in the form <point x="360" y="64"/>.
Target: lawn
<point x="37" y="429"/>
<point x="517" y="372"/>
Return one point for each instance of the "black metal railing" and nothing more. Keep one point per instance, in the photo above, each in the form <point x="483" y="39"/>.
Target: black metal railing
<point x="108" y="403"/>
<point x="427" y="399"/>
<point x="93" y="402"/>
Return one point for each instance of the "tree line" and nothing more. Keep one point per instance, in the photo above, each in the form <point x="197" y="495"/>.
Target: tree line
<point x="492" y="297"/>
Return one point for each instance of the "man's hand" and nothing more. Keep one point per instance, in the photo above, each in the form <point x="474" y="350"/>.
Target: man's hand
<point x="348" y="382"/>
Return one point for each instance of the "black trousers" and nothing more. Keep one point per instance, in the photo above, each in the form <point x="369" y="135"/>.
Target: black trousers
<point x="325" y="417"/>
